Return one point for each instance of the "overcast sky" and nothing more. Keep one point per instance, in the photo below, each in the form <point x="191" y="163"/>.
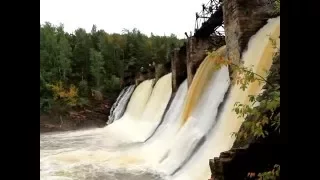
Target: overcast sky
<point x="157" y="16"/>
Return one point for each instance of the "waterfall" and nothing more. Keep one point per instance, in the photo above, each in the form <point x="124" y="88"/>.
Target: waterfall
<point x="155" y="146"/>
<point x="172" y="145"/>
<point x="259" y="55"/>
<point x="138" y="100"/>
<point x="137" y="127"/>
<point x="202" y="113"/>
<point x="196" y="127"/>
<point x="200" y="80"/>
<point x="115" y="104"/>
<point x="120" y="105"/>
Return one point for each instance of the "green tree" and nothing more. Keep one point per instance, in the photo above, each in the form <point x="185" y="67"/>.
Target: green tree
<point x="96" y="66"/>
<point x="81" y="55"/>
<point x="95" y="59"/>
<point x="65" y="53"/>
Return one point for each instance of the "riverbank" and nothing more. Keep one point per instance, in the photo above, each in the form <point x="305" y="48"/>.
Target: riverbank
<point x="93" y="116"/>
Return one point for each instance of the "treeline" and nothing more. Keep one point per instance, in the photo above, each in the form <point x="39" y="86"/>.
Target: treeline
<point x="73" y="64"/>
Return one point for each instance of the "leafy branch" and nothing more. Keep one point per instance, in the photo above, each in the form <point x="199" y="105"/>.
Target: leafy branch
<point x="270" y="175"/>
<point x="277" y="6"/>
<point x="242" y="75"/>
<point x="263" y="111"/>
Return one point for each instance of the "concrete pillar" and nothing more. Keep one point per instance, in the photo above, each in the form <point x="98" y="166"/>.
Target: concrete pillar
<point x="178" y="66"/>
<point x="242" y="19"/>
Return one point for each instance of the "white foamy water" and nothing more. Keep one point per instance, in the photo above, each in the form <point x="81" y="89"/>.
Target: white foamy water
<point x="62" y="154"/>
<point x="259" y="55"/>
<point x="134" y="127"/>
<point x="202" y="119"/>
<point x="119" y="107"/>
<point x="196" y="127"/>
<point x="115" y="104"/>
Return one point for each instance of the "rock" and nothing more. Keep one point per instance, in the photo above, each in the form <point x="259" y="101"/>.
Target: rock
<point x="260" y="156"/>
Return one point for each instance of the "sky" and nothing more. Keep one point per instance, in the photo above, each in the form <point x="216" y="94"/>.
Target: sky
<point x="161" y="17"/>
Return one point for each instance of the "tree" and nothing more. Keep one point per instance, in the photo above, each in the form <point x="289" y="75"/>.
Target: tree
<point x="96" y="66"/>
<point x="65" y="53"/>
<point x="93" y="59"/>
<point x="81" y="55"/>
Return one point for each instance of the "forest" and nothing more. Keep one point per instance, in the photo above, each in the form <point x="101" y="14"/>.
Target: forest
<point x="72" y="65"/>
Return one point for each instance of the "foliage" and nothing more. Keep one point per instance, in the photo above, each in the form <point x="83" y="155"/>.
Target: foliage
<point x="258" y="116"/>
<point x="93" y="60"/>
<point x="67" y="95"/>
<point x="83" y="88"/>
<point x="277" y="6"/>
<point x="263" y="111"/>
<point x="112" y="84"/>
<point x="270" y="175"/>
<point x="96" y="67"/>
<point x="262" y="114"/>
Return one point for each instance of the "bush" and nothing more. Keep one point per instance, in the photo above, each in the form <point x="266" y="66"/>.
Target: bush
<point x="68" y="96"/>
<point x="112" y="84"/>
<point x="45" y="104"/>
<point x="83" y="88"/>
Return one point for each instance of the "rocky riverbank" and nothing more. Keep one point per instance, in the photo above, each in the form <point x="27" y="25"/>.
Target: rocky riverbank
<point x="93" y="116"/>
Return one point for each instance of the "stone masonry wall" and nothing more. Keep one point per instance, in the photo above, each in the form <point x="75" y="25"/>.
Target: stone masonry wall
<point x="179" y="67"/>
<point x="160" y="70"/>
<point x="197" y="50"/>
<point x="140" y="77"/>
<point x="242" y="19"/>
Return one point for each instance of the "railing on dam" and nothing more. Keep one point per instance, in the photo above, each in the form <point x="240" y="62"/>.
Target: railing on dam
<point x="209" y="21"/>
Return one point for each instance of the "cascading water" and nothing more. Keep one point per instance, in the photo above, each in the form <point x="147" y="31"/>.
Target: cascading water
<point x="196" y="127"/>
<point x="162" y="152"/>
<point x="202" y="113"/>
<point x="259" y="55"/>
<point x="138" y="100"/>
<point x="144" y="112"/>
<point x="115" y="104"/>
<point x="150" y="152"/>
<point x="138" y="128"/>
<point x="61" y="150"/>
<point x="170" y="124"/>
<point x="120" y="105"/>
